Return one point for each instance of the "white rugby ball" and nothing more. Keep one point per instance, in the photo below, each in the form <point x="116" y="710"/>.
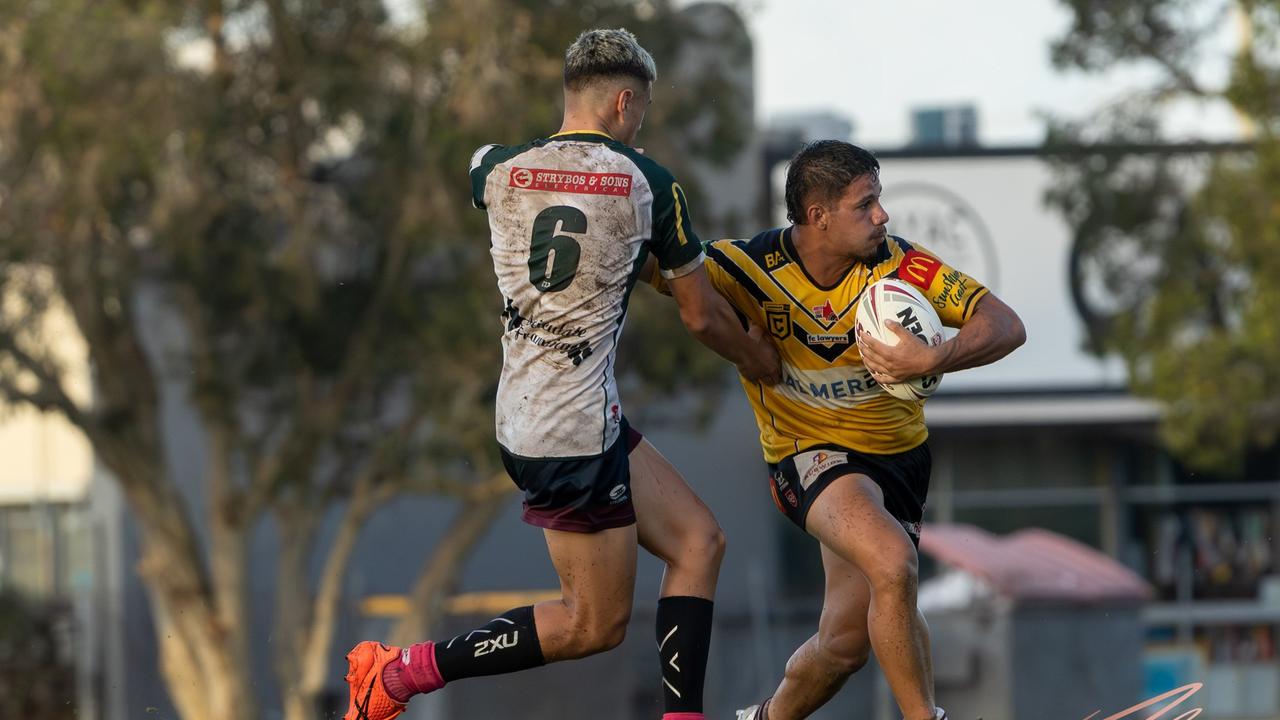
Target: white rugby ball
<point x="893" y="299"/>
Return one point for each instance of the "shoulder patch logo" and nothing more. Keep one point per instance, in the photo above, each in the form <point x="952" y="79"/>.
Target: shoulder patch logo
<point x="919" y="269"/>
<point x="778" y="316"/>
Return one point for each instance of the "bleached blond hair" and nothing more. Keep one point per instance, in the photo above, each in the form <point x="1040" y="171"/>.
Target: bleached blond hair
<point x="605" y="53"/>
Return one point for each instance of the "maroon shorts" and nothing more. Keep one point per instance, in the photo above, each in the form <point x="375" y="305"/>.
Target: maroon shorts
<point x="578" y="494"/>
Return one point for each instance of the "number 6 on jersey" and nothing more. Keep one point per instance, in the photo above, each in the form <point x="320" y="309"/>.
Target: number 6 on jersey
<point x="553" y="258"/>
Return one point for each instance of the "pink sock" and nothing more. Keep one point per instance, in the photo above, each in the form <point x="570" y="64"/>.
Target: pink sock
<point x="416" y="673"/>
<point x="683" y="716"/>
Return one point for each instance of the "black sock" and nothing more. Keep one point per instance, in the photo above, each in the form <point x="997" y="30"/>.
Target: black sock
<point x="507" y="644"/>
<point x="684" y="639"/>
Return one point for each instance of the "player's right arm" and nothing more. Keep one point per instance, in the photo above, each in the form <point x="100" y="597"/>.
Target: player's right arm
<point x="706" y="314"/>
<point x="713" y="322"/>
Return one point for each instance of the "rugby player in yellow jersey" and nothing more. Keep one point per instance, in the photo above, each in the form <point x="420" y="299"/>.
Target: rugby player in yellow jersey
<point x="848" y="462"/>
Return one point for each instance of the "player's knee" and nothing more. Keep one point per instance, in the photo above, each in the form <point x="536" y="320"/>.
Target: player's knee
<point x="609" y="632"/>
<point x="846" y="653"/>
<point x="700" y="547"/>
<point x="711" y="543"/>
<point x="601" y="631"/>
<point x="895" y="572"/>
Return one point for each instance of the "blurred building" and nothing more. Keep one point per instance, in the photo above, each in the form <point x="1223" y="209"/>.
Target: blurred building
<point x="944" y="127"/>
<point x="810" y="125"/>
<point x="1050" y="437"/>
<point x="47" y="557"/>
<point x="1008" y="614"/>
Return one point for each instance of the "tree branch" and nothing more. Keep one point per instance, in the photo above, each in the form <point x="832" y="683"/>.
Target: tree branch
<point x="45" y="399"/>
<point x="439" y="575"/>
<point x="324" y="613"/>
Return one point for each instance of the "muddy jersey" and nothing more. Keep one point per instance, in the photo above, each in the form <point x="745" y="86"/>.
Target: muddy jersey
<point x="827" y="396"/>
<point x="572" y="218"/>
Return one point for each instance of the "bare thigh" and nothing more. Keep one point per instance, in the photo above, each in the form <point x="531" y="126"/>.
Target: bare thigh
<point x="849" y="518"/>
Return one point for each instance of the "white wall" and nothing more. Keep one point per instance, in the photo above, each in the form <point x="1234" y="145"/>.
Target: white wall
<point x="45" y="458"/>
<point x="987" y="217"/>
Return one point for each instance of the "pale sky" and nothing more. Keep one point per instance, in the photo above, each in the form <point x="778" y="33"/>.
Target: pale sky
<point x="874" y="61"/>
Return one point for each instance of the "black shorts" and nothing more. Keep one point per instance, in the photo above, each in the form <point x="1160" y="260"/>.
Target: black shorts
<point x="578" y="494"/>
<point x="903" y="478"/>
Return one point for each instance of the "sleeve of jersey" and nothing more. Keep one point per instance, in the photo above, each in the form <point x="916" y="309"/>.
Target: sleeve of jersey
<point x="654" y="277"/>
<point x="724" y="284"/>
<point x="675" y="245"/>
<point x="479" y="175"/>
<point x="746" y="306"/>
<point x="953" y="294"/>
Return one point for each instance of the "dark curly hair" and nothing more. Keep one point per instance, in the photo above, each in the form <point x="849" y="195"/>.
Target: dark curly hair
<point x="821" y="171"/>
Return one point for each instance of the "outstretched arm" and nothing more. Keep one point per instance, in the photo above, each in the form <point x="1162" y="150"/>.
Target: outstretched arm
<point x="992" y="332"/>
<point x="711" y="320"/>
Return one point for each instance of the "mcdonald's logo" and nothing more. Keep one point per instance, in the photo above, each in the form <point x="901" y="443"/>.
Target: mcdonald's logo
<point x="919" y="269"/>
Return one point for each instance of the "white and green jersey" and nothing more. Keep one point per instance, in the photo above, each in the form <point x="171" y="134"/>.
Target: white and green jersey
<point x="572" y="218"/>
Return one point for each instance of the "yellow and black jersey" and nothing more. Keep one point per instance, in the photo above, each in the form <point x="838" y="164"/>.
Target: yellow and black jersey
<point x="827" y="395"/>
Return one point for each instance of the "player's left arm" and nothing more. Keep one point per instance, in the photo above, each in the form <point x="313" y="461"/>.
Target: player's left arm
<point x="991" y="332"/>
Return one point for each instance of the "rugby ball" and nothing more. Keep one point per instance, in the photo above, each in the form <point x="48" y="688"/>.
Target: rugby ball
<point x="893" y="299"/>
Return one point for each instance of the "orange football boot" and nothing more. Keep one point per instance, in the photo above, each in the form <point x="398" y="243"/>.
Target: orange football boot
<point x="369" y="699"/>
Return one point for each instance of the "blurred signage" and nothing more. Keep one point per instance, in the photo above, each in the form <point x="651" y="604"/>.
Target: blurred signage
<point x="940" y="220"/>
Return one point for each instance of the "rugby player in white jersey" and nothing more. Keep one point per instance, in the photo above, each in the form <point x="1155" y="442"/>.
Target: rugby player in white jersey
<point x="573" y="218"/>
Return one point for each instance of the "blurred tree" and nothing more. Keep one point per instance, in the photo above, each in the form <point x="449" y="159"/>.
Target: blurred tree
<point x="263" y="205"/>
<point x="1175" y="257"/>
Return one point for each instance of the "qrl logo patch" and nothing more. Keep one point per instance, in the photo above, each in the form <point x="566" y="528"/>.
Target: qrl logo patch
<point x="919" y="269"/>
<point x="778" y="317"/>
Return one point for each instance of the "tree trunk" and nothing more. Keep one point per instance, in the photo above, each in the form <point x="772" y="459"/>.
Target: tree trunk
<point x="293" y="616"/>
<point x="197" y="640"/>
<point x="306" y="624"/>
<point x="202" y="670"/>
